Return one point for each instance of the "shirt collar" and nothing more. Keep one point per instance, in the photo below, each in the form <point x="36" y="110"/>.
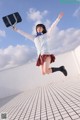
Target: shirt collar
<point x="38" y="34"/>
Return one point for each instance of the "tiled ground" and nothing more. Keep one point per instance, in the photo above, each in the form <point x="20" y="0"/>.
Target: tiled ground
<point x="56" y="101"/>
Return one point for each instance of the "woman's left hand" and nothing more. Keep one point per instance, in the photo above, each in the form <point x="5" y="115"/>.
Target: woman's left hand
<point x="60" y="15"/>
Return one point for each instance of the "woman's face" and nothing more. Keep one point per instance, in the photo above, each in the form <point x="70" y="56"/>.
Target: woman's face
<point x="39" y="29"/>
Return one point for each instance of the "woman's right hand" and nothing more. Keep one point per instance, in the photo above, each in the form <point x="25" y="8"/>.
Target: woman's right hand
<point x="14" y="28"/>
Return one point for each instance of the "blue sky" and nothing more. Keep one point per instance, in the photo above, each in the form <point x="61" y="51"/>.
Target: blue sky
<point x="47" y="11"/>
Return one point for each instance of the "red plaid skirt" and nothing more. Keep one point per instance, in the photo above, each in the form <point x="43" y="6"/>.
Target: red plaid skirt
<point x="41" y="59"/>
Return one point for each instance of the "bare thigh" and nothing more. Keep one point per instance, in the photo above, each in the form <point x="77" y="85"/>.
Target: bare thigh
<point x="45" y="67"/>
<point x="46" y="64"/>
<point x="42" y="69"/>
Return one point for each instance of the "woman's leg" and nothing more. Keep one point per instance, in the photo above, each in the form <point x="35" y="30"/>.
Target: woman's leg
<point x="42" y="70"/>
<point x="46" y="70"/>
<point x="46" y="64"/>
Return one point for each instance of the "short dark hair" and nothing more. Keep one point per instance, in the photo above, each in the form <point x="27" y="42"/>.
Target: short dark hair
<point x="43" y="26"/>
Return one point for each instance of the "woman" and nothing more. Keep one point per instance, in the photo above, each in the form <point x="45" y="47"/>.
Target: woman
<point x="40" y="40"/>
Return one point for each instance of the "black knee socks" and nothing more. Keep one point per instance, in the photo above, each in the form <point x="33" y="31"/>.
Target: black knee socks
<point x="55" y="69"/>
<point x="62" y="69"/>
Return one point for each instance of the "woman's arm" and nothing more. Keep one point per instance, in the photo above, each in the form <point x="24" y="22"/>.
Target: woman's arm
<point x="55" y="23"/>
<point x="28" y="36"/>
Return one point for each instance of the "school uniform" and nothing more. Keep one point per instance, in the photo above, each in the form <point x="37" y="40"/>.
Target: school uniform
<point x="40" y="42"/>
<point x="42" y="49"/>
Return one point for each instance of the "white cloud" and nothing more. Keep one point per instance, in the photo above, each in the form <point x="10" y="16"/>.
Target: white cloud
<point x="18" y="55"/>
<point x="38" y="17"/>
<point x="77" y="13"/>
<point x="64" y="40"/>
<point x="34" y="14"/>
<point x="2" y="33"/>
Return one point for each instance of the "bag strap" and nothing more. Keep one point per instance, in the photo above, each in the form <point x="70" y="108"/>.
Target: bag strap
<point x="8" y="20"/>
<point x="15" y="19"/>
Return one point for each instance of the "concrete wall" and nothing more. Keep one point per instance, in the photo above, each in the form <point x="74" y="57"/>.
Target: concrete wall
<point x="77" y="57"/>
<point x="29" y="76"/>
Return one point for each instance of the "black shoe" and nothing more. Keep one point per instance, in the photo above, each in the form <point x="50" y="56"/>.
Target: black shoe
<point x="63" y="70"/>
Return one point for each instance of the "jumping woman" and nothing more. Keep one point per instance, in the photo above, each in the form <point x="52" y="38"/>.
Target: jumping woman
<point x="40" y="40"/>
